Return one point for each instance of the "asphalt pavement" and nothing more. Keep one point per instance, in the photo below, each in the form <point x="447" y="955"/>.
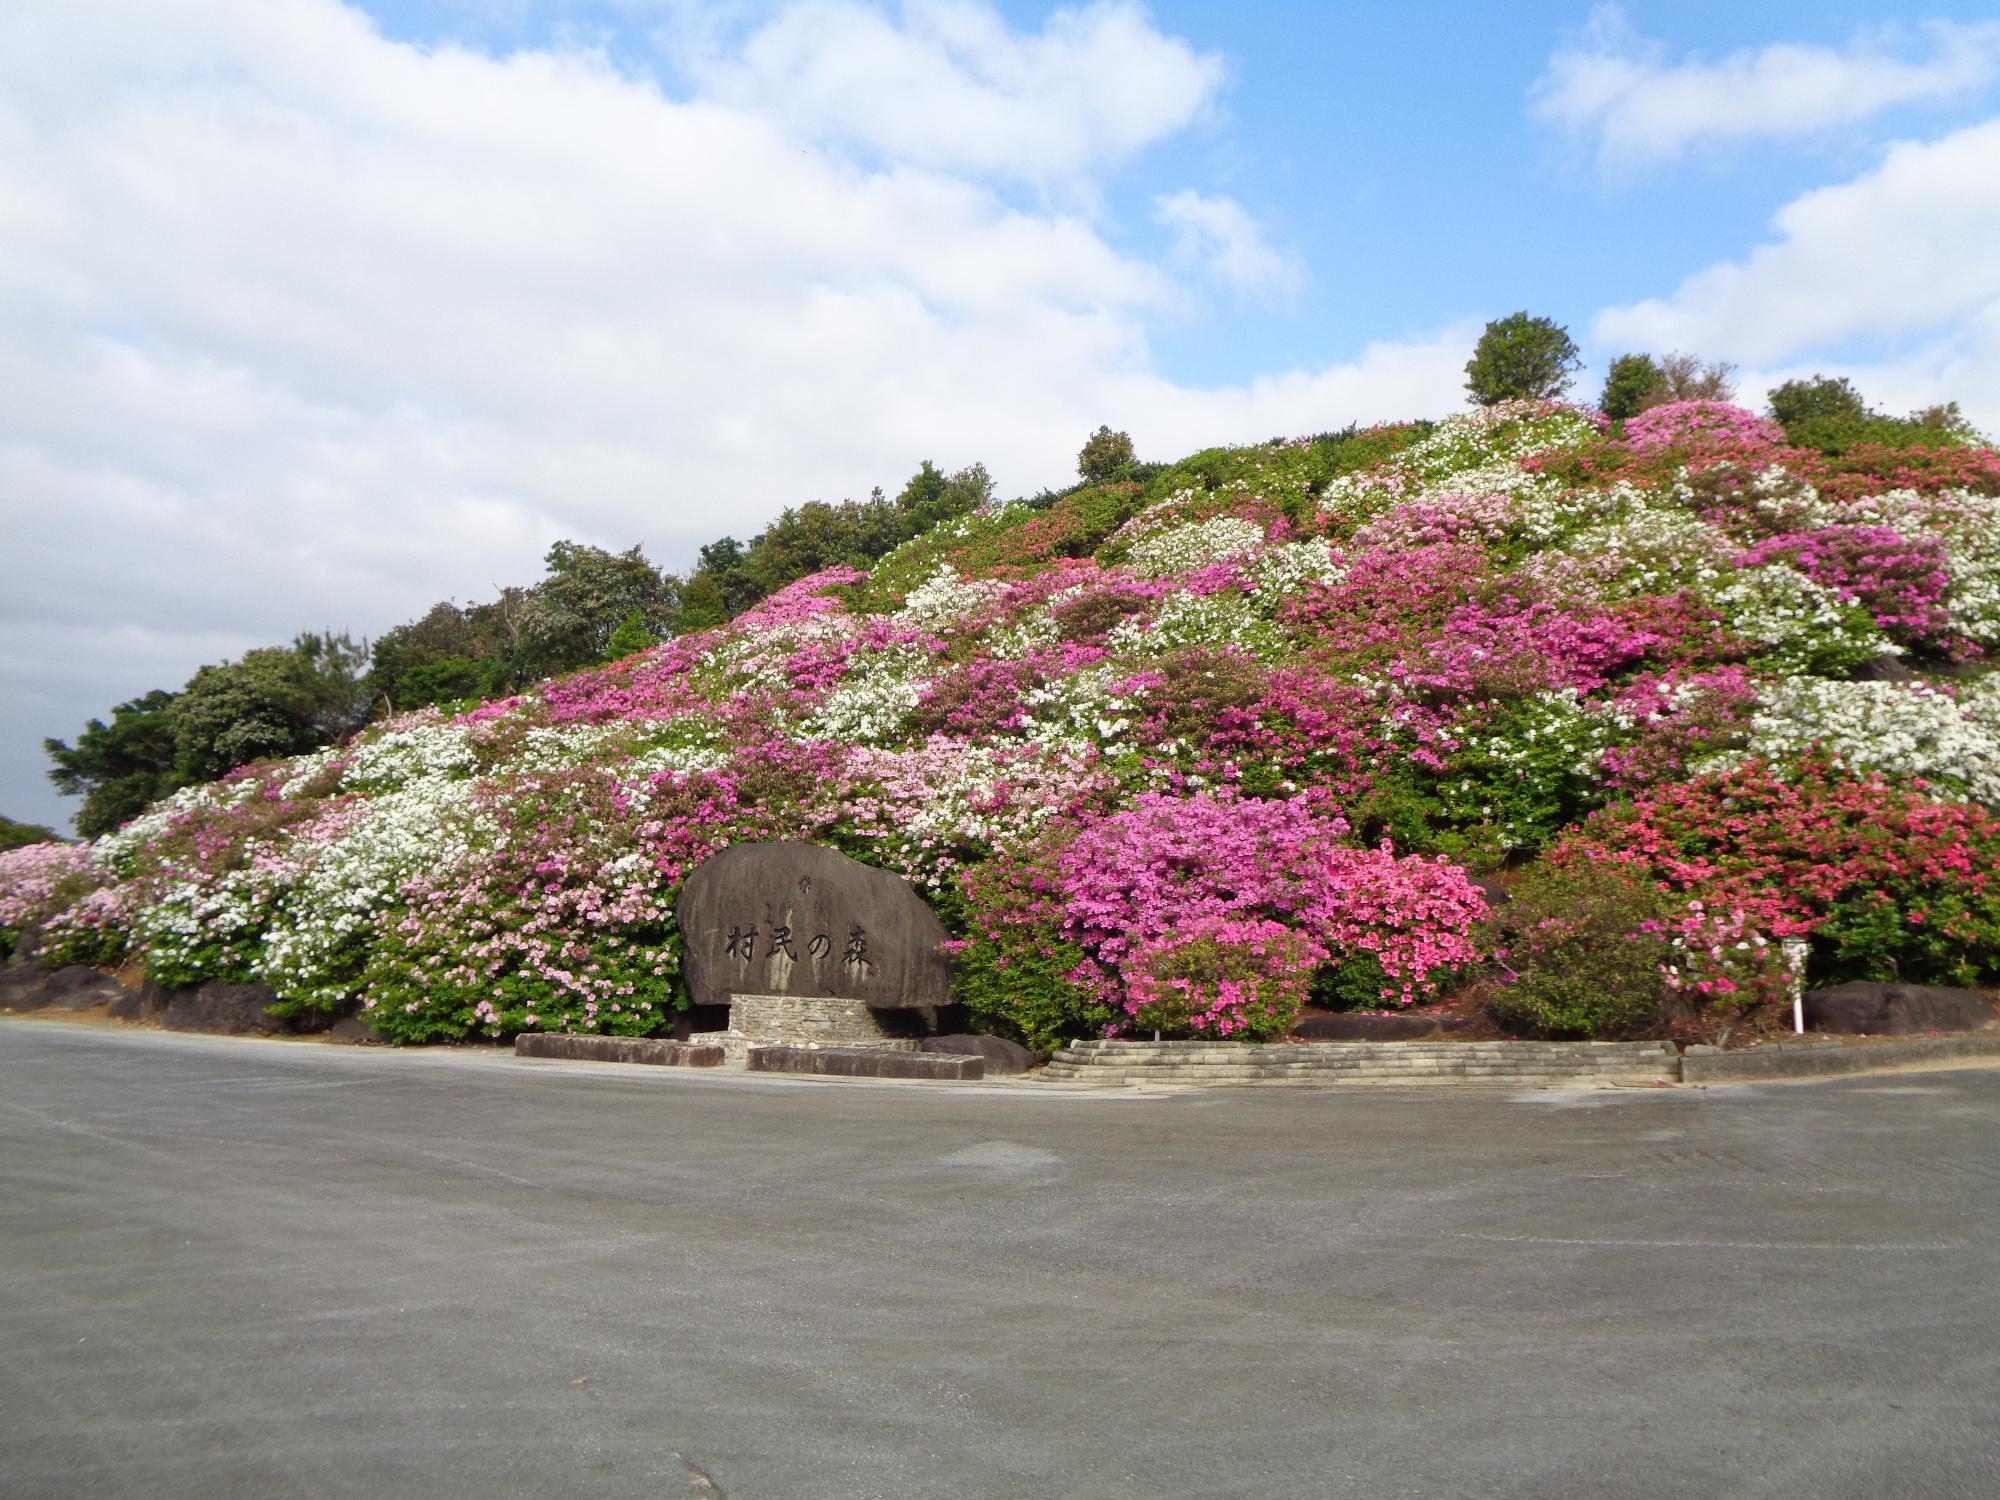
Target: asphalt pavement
<point x="235" y="1267"/>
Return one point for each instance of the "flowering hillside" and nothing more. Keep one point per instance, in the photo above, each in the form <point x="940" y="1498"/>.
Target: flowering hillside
<point x="1191" y="752"/>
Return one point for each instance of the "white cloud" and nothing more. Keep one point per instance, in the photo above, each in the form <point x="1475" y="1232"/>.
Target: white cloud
<point x="1216" y="234"/>
<point x="303" y="328"/>
<point x="1387" y="381"/>
<point x="1902" y="255"/>
<point x="1620" y="89"/>
<point x="952" y="86"/>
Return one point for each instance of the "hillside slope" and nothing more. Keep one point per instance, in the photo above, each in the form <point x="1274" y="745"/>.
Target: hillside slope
<point x="1186" y="751"/>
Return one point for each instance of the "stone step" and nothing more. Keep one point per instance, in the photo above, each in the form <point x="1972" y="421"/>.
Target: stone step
<point x="1056" y="1071"/>
<point x="1283" y="1050"/>
<point x="1354" y="1080"/>
<point x="1638" y="1064"/>
<point x="1434" y="1062"/>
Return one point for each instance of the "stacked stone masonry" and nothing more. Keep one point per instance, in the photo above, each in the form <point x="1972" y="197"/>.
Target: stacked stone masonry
<point x="801" y="1021"/>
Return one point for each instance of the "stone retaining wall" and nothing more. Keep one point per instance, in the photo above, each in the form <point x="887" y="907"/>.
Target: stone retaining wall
<point x="1322" y="1063"/>
<point x="1808" y="1059"/>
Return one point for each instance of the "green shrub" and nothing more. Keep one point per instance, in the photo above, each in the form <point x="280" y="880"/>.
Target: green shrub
<point x="1014" y="984"/>
<point x="1584" y="947"/>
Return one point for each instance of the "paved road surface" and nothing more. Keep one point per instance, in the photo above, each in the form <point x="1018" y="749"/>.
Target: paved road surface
<point x="243" y="1268"/>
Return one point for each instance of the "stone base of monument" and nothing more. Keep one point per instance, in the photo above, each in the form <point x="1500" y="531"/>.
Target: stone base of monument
<point x="801" y="1021"/>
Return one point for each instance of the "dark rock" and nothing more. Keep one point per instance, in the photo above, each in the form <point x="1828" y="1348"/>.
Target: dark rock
<point x="1002" y="1056"/>
<point x="154" y="998"/>
<point x="1365" y="1028"/>
<point x="356" y="1031"/>
<point x="237" y="1009"/>
<point x="130" y="1006"/>
<point x="1882" y="669"/>
<point x="1896" y="1009"/>
<point x="74" y="978"/>
<point x="800" y="919"/>
<point x="145" y="1001"/>
<point x="1495" y="893"/>
<point x="864" y="1062"/>
<point x="25" y="987"/>
<point x="655" y="1051"/>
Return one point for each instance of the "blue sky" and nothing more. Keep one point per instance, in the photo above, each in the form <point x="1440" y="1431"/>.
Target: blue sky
<point x="313" y="312"/>
<point x="1392" y="151"/>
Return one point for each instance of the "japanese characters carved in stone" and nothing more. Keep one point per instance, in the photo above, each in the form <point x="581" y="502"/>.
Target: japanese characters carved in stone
<point x="800" y="919"/>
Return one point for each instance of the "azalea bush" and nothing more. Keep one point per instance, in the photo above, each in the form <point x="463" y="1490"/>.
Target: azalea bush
<point x="63" y="903"/>
<point x="1887" y="880"/>
<point x="1208" y="914"/>
<point x="1192" y="747"/>
<point x="1582" y="952"/>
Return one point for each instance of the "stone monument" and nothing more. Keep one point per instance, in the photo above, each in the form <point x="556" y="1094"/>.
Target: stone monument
<point x="806" y="946"/>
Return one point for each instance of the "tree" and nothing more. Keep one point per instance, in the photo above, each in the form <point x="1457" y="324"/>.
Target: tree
<point x="1104" y="453"/>
<point x="1632" y="384"/>
<point x="702" y="605"/>
<point x="818" y="535"/>
<point x="933" y="496"/>
<point x="121" y="768"/>
<point x="1687" y="378"/>
<point x="15" y="835"/>
<point x="1944" y="416"/>
<point x="568" y="619"/>
<point x="1520" y="357"/>
<point x="447" y="654"/>
<point x="1822" y="403"/>
<point x="336" y="669"/>
<point x="632" y="635"/>
<point x="1829" y="414"/>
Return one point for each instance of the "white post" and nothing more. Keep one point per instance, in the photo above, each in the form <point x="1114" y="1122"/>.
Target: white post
<point x="1795" y="960"/>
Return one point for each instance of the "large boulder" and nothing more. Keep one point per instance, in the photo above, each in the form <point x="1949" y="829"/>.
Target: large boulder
<point x="1002" y="1056"/>
<point x="802" y="920"/>
<point x="1864" y="1006"/>
<point x="238" y="1009"/>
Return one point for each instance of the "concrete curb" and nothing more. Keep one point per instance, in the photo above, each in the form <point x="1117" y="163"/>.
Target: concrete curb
<point x="1829" y="1060"/>
<point x="618" y="1049"/>
<point x="866" y="1062"/>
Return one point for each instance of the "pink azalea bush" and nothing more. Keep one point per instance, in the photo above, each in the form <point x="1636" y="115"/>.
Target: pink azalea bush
<point x="1708" y="429"/>
<point x="65" y="900"/>
<point x="1171" y="908"/>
